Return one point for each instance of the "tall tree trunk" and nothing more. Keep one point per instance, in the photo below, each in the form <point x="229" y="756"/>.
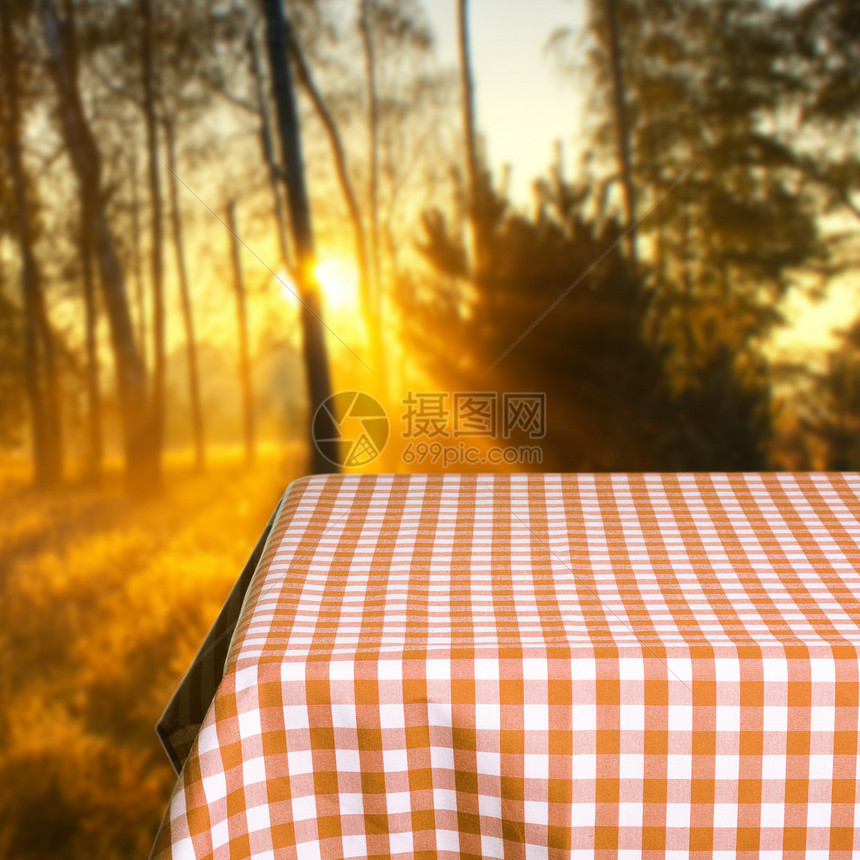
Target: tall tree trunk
<point x="324" y="455"/>
<point x="40" y="364"/>
<point x="94" y="412"/>
<point x="53" y="393"/>
<point x="137" y="262"/>
<point x="86" y="162"/>
<point x="147" y="48"/>
<point x="372" y="322"/>
<point x="368" y="44"/>
<point x="245" y="381"/>
<point x="275" y="171"/>
<point x="467" y="86"/>
<point x="691" y="348"/>
<point x="185" y="294"/>
<point x="622" y="125"/>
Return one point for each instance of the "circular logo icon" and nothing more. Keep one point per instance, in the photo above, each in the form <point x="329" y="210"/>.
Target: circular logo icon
<point x="350" y="428"/>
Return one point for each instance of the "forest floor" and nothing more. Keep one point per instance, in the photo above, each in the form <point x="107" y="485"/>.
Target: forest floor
<point x="105" y="600"/>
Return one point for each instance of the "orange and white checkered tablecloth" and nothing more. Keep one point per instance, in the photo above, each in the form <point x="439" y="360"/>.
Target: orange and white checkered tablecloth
<point x="539" y="666"/>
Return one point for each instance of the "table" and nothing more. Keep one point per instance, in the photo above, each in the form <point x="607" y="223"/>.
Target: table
<point x="524" y="666"/>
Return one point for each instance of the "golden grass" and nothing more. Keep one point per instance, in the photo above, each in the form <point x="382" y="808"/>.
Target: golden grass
<point x="106" y="600"/>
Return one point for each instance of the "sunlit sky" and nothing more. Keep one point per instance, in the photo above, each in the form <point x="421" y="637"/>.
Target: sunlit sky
<point x="523" y="105"/>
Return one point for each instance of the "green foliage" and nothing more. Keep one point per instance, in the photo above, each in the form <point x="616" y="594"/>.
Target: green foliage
<point x="401" y="22"/>
<point x="715" y="92"/>
<point x="603" y="383"/>
<point x="612" y="402"/>
<point x="709" y="86"/>
<point x="826" y="37"/>
<point x="721" y="422"/>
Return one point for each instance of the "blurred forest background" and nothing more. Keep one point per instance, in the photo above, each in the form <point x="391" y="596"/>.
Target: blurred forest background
<point x="214" y="213"/>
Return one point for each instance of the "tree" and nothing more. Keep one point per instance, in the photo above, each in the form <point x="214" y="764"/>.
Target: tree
<point x="706" y="84"/>
<point x="827" y="68"/>
<point x="622" y="125"/>
<point x="729" y="222"/>
<point x="473" y="179"/>
<point x="185" y="296"/>
<point x="722" y="419"/>
<point x="13" y="406"/>
<point x="149" y="107"/>
<point x="606" y="396"/>
<point x="166" y="91"/>
<point x="40" y="363"/>
<point x="86" y="163"/>
<point x="137" y="253"/>
<point x="315" y="355"/>
<point x="245" y="381"/>
<point x="399" y="93"/>
<point x="94" y="411"/>
<point x="276" y="172"/>
<point x="351" y="199"/>
<point x="369" y="48"/>
<point x="827" y="60"/>
<point x="833" y="414"/>
<point x="826" y="36"/>
<point x="174" y="95"/>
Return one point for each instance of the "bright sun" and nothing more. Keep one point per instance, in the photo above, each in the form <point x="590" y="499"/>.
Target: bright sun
<point x="339" y="282"/>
